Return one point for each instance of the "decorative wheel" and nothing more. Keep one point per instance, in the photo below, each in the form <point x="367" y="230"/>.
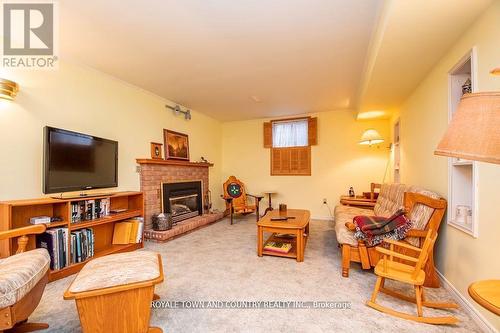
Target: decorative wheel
<point x="234" y="190"/>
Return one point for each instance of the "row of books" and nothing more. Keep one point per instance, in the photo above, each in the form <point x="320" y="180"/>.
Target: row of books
<point x="278" y="247"/>
<point x="85" y="210"/>
<point x="129" y="231"/>
<point x="82" y="245"/>
<point x="56" y="242"/>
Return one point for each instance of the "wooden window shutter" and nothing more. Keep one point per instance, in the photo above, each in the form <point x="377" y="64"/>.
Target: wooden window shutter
<point x="268" y="135"/>
<point x="275" y="161"/>
<point x="292" y="161"/>
<point x="313" y="131"/>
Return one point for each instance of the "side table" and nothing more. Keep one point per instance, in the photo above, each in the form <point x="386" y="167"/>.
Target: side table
<point x="269" y="195"/>
<point x="487" y="294"/>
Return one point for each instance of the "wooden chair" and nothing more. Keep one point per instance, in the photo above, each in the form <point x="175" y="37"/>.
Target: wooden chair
<point x="369" y="257"/>
<point x="388" y="268"/>
<point x="14" y="318"/>
<point x="236" y="198"/>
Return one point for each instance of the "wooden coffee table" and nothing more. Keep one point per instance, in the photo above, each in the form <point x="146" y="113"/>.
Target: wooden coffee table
<point x="297" y="227"/>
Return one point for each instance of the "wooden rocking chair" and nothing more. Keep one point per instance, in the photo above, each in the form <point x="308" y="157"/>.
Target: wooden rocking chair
<point x="236" y="198"/>
<point x="25" y="276"/>
<point x="388" y="268"/>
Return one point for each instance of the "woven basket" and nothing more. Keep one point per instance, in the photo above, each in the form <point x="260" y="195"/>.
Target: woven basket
<point x="162" y="223"/>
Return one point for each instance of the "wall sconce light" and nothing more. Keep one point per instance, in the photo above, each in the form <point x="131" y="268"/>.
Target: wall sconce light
<point x="495" y="71"/>
<point x="177" y="111"/>
<point x="371" y="137"/>
<point x="8" y="89"/>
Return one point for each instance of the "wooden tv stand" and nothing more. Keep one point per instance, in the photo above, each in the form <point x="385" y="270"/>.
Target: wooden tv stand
<point x="17" y="213"/>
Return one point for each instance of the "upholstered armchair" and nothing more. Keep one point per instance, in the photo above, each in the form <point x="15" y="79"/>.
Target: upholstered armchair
<point x="23" y="277"/>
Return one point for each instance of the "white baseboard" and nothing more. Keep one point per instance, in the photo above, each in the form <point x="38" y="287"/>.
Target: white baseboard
<point x="465" y="304"/>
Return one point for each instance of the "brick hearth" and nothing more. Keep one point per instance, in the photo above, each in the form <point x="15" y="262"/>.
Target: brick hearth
<point x="154" y="172"/>
<point x="183" y="227"/>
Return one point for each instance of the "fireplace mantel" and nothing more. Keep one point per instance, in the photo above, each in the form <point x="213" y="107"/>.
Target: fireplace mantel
<point x="142" y="161"/>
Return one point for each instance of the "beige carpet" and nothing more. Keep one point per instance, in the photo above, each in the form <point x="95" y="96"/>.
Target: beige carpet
<point x="219" y="263"/>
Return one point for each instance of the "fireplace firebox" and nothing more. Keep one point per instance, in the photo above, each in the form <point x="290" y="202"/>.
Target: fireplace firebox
<point x="183" y="200"/>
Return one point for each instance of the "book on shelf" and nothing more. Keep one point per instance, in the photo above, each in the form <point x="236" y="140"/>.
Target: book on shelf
<point x="55" y="241"/>
<point x="121" y="233"/>
<point x="86" y="210"/>
<point x="279" y="247"/>
<point x="62" y="254"/>
<point x="82" y="245"/>
<point x="129" y="231"/>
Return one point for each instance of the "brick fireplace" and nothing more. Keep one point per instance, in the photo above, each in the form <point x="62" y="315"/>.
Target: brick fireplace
<point x="155" y="172"/>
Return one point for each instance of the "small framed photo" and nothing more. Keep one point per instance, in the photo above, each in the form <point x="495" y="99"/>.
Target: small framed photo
<point x="156" y="150"/>
<point x="176" y="145"/>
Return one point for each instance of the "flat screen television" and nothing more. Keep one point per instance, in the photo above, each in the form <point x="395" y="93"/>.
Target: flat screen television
<point x="75" y="161"/>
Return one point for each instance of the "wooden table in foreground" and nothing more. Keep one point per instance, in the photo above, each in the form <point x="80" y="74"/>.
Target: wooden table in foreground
<point x="298" y="227"/>
<point x="487" y="294"/>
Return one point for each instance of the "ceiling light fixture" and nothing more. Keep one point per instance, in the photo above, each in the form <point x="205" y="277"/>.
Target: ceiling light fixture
<point x="371" y="137"/>
<point x="371" y="114"/>
<point x="8" y="89"/>
<point x="177" y="111"/>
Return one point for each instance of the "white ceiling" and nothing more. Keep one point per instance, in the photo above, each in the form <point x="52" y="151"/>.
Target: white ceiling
<point x="410" y="38"/>
<point x="295" y="56"/>
<point x="292" y="56"/>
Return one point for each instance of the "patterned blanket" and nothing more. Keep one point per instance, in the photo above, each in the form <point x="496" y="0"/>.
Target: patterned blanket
<point x="373" y="229"/>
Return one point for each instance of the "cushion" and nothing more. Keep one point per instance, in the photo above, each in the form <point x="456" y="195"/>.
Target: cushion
<point x="420" y="214"/>
<point x="345" y="214"/>
<point x="390" y="199"/>
<point x="116" y="270"/>
<point x="20" y="273"/>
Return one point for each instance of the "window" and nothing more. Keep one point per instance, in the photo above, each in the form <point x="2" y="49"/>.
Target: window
<point x="290" y="133"/>
<point x="290" y="143"/>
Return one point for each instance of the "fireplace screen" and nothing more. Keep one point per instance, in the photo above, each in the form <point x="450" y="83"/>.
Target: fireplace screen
<point x="182" y="199"/>
<point x="184" y="207"/>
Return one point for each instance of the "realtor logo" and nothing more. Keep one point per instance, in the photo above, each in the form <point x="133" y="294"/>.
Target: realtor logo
<point x="29" y="35"/>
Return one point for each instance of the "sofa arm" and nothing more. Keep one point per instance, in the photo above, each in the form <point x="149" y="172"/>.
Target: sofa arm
<point x="350" y="226"/>
<point x="29" y="230"/>
<point x="416" y="233"/>
<point x="22" y="233"/>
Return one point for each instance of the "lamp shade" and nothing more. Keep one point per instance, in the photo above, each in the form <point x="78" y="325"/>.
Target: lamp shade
<point x="474" y="131"/>
<point x="370" y="137"/>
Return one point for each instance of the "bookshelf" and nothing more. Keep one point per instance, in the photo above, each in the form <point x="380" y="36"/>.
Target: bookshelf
<point x="17" y="213"/>
<point x="462" y="174"/>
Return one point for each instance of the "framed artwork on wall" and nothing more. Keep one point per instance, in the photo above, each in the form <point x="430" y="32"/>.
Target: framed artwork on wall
<point x="156" y="150"/>
<point x="176" y="145"/>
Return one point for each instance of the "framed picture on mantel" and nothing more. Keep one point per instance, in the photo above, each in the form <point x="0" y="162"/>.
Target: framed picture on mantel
<point x="156" y="150"/>
<point x="176" y="145"/>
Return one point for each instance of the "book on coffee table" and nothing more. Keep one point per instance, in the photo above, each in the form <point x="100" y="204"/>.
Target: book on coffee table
<point x="279" y="247"/>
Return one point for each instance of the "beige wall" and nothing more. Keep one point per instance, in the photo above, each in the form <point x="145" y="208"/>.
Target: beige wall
<point x="337" y="161"/>
<point x="424" y="117"/>
<point x="84" y="100"/>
